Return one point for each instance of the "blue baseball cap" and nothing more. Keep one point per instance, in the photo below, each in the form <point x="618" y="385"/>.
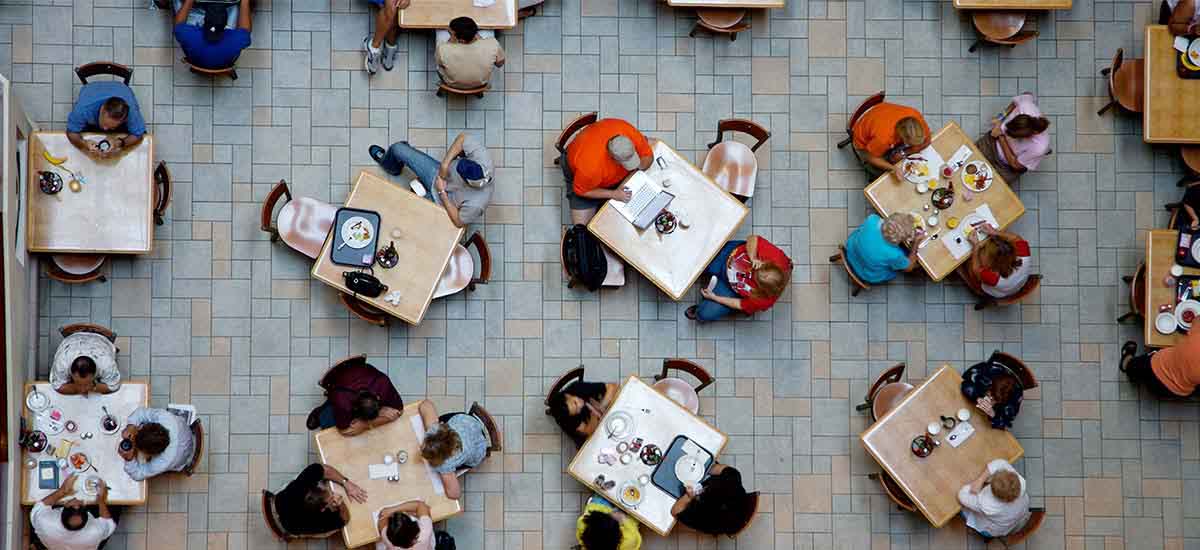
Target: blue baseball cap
<point x="471" y="172"/>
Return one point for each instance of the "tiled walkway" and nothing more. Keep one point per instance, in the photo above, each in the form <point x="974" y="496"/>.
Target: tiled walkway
<point x="220" y="317"/>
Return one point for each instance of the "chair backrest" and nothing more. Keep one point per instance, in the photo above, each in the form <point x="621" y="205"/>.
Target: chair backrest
<point x="363" y="310"/>
<point x="896" y="493"/>
<point x="753" y="513"/>
<point x="698" y="372"/>
<point x="998" y="26"/>
<point x="575" y="126"/>
<point x="890" y="376"/>
<point x="1018" y="39"/>
<point x="268" y="512"/>
<point x="1031" y="285"/>
<point x="562" y="381"/>
<point x="1017" y="366"/>
<point x="463" y="91"/>
<point x="494" y="436"/>
<point x="162" y="191"/>
<point x="198" y="436"/>
<point x="745" y="126"/>
<point x="230" y="70"/>
<point x="268" y="207"/>
<point x="1036" y="517"/>
<point x="850" y="272"/>
<point x="57" y="273"/>
<point x="863" y="108"/>
<point x="1137" y="290"/>
<point x="84" y="72"/>
<point x="104" y="331"/>
<point x="485" y="259"/>
<point x="362" y="357"/>
<point x="1118" y="59"/>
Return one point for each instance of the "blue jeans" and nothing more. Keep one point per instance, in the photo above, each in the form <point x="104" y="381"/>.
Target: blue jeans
<point x="708" y="309"/>
<point x="196" y="15"/>
<point x="401" y="154"/>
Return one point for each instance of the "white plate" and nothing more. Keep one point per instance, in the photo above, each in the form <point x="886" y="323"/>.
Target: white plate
<point x="916" y="177"/>
<point x="619" y="425"/>
<point x="984" y="169"/>
<point x="689" y="469"/>
<point x="631" y="493"/>
<point x="37" y="401"/>
<point x="1186" y="305"/>
<point x="1193" y="52"/>
<point x="357" y="232"/>
<point x="1165" y="322"/>
<point x="969" y="219"/>
<point x="90" y="485"/>
<point x="1195" y="241"/>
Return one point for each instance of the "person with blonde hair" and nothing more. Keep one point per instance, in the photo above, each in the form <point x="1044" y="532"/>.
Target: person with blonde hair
<point x="887" y="133"/>
<point x="749" y="275"/>
<point x="995" y="503"/>
<point x="873" y="251"/>
<point x="452" y="441"/>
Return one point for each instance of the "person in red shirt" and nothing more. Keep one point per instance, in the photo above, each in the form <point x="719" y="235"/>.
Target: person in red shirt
<point x="886" y="133"/>
<point x="358" y="397"/>
<point x="1170" y="373"/>
<point x="600" y="157"/>
<point x="749" y="275"/>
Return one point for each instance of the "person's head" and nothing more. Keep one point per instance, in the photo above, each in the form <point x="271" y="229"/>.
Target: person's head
<point x="1023" y="126"/>
<point x="113" y="113"/>
<point x="464" y="28"/>
<point x="83" y="370"/>
<point x="1006" y="486"/>
<point x="440" y="444"/>
<point x="74" y="517"/>
<point x="621" y="149"/>
<point x="898" y="228"/>
<point x="472" y="173"/>
<point x="320" y="499"/>
<point x="1003" y="388"/>
<point x="215" y="17"/>
<point x="770" y="280"/>
<point x="911" y="132"/>
<point x="600" y="532"/>
<point x="999" y="255"/>
<point x="570" y="412"/>
<point x="151" y="438"/>
<point x="365" y="406"/>
<point x="402" y="530"/>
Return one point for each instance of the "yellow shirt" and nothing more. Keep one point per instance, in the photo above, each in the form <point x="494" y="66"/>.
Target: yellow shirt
<point x="631" y="538"/>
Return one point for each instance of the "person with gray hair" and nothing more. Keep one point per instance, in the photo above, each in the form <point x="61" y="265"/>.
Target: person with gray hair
<point x="598" y="160"/>
<point x="873" y="251"/>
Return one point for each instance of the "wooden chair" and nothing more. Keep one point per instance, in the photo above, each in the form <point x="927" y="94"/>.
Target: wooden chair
<point x="1191" y="161"/>
<point x="460" y="270"/>
<point x="1125" y="83"/>
<point x="102" y="330"/>
<point x="615" y="277"/>
<point x="885" y="393"/>
<point x="1029" y="287"/>
<point x="894" y="492"/>
<point x="495" y="438"/>
<point x="162" y="191"/>
<point x="198" y="436"/>
<point x="568" y="132"/>
<point x="858" y="113"/>
<point x="1036" y="517"/>
<point x="562" y="382"/>
<point x="721" y="21"/>
<point x="732" y="164"/>
<point x="683" y="365"/>
<point x="364" y="311"/>
<point x="74" y="269"/>
<point x="754" y="501"/>
<point x="302" y="223"/>
<point x="1018" y="367"/>
<point x="1137" y="295"/>
<point x="268" y="512"/>
<point x="84" y="72"/>
<point x="1005" y="28"/>
<point x="444" y="89"/>
<point x="840" y="258"/>
<point x="230" y="71"/>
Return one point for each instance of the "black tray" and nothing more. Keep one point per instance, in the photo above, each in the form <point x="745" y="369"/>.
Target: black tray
<point x="664" y="474"/>
<point x="1183" y="71"/>
<point x="1187" y="259"/>
<point x="356" y="257"/>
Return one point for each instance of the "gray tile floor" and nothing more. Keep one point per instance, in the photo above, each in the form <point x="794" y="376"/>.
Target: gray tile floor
<point x="221" y="317"/>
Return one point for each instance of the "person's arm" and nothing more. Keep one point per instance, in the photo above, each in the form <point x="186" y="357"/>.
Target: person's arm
<point x="245" y="17"/>
<point x="453" y="489"/>
<point x="353" y="491"/>
<point x="500" y="57"/>
<point x="912" y="258"/>
<point x="103" y="388"/>
<point x="121" y="143"/>
<point x="385" y="514"/>
<point x="752" y="247"/>
<point x="386" y="414"/>
<point x="1010" y="156"/>
<point x="682" y="503"/>
<point x="733" y="303"/>
<point x="600" y="193"/>
<point x="182" y="15"/>
<point x="429" y="415"/>
<point x="878" y="162"/>
<point x="70" y="388"/>
<point x="356" y="427"/>
<point x="456" y="149"/>
<point x="610" y="395"/>
<point x="102" y="500"/>
<point x="447" y="204"/>
<point x="67" y="488"/>
<point x="84" y="145"/>
<point x="1191" y="214"/>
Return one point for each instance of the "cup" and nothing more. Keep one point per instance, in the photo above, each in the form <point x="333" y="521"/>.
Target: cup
<point x="643" y="480"/>
<point x="1176" y="270"/>
<point x="626" y="458"/>
<point x="388" y="459"/>
<point x="964" y="414"/>
<point x="402" y="456"/>
<point x="933" y="428"/>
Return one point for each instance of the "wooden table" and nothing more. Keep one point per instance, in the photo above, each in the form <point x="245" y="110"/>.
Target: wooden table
<point x="747" y="4"/>
<point x="1172" y="110"/>
<point x="436" y="14"/>
<point x="673" y="261"/>
<point x="427" y="238"/>
<point x="1012" y="4"/>
<point x="1160" y="256"/>
<point x="890" y="195"/>
<point x="351" y="455"/>
<point x="933" y="482"/>
<point x="113" y="214"/>
<point x="665" y="420"/>
<point x="100" y="449"/>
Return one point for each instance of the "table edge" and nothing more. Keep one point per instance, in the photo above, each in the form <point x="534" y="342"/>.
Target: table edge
<point x="512" y="22"/>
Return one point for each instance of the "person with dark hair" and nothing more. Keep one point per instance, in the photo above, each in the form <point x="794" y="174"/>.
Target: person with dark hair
<point x="61" y="522"/>
<point x="407" y="526"/>
<point x="358" y="397"/>
<point x="721" y="506"/>
<point x="1169" y="373"/>
<point x="106" y="106"/>
<point x="1001" y="264"/>
<point x="1018" y="140"/>
<point x="162" y="436"/>
<point x="461" y="183"/>
<point x="85" y="362"/>
<point x="996" y="392"/>
<point x="603" y="527"/>
<point x="212" y="37"/>
<point x="995" y="503"/>
<point x="466" y="55"/>
<point x="381" y="47"/>
<point x="307" y="507"/>
<point x="762" y="273"/>
<point x="1182" y="17"/>
<point x="578" y="407"/>
<point x="452" y="441"/>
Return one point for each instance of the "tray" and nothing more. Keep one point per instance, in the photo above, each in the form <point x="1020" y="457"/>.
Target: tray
<point x="664" y="474"/>
<point x="1187" y="260"/>
<point x="345" y="255"/>
<point x="1180" y="68"/>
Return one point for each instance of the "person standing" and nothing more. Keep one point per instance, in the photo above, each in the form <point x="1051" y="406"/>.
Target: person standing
<point x="461" y="183"/>
<point x="467" y="55"/>
<point x="212" y="37"/>
<point x="61" y="522"/>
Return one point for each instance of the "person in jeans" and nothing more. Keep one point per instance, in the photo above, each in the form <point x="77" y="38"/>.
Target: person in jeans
<point x="162" y="436"/>
<point x="1017" y="143"/>
<point x="212" y="37"/>
<point x="381" y="47"/>
<point x="757" y="288"/>
<point x="452" y="441"/>
<point x="85" y="362"/>
<point x="995" y="503"/>
<point x="466" y="55"/>
<point x="1169" y="373"/>
<point x="461" y="182"/>
<point x="358" y="397"/>
<point x="61" y="522"/>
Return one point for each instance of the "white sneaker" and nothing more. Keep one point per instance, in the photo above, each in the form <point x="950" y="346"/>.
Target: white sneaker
<point x="389" y="55"/>
<point x="371" y="63"/>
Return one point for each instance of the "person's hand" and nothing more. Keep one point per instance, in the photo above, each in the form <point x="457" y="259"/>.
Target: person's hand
<point x="68" y="485"/>
<point x="439" y="183"/>
<point x="1194" y="28"/>
<point x="93" y="149"/>
<point x="356" y="427"/>
<point x="708" y="294"/>
<point x="985" y="404"/>
<point x="128" y="432"/>
<point x="689" y="491"/>
<point x="622" y="194"/>
<point x="356" y="493"/>
<point x="995" y="131"/>
<point x="400" y="4"/>
<point x="423" y="509"/>
<point x="1195" y="224"/>
<point x="102" y="490"/>
<point x="390" y="414"/>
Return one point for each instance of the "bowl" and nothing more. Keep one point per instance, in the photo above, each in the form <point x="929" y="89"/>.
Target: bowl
<point x="1165" y="322"/>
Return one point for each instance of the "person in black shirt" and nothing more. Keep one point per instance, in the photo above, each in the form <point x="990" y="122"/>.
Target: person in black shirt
<point x="307" y="507"/>
<point x="578" y="407"/>
<point x="1189" y="205"/>
<point x="722" y="507"/>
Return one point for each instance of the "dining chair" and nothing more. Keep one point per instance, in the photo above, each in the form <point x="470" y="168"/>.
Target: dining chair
<point x="858" y="113"/>
<point x="84" y="72"/>
<point x="1036" y="517"/>
<point x="1005" y="28"/>
<point x="678" y="389"/>
<point x="754" y="502"/>
<point x="67" y="330"/>
<point x="561" y="382"/>
<point x="840" y="258"/>
<point x="444" y="89"/>
<point x="460" y="270"/>
<point x="565" y="137"/>
<point x="1018" y="367"/>
<point x="364" y="311"/>
<point x="894" y="491"/>
<point x="703" y="378"/>
<point x="885" y="393"/>
<point x="1137" y="295"/>
<point x="732" y="164"/>
<point x="230" y="71"/>
<point x="162" y="191"/>
<point x="1191" y="162"/>
<point x="268" y="512"/>
<point x="613" y="278"/>
<point x="1174" y="208"/>
<point x="198" y="437"/>
<point x="302" y="223"/>
<point x="1125" y="83"/>
<point x="74" y="269"/>
<point x="985" y="300"/>
<point x="729" y="21"/>
<point x="495" y="438"/>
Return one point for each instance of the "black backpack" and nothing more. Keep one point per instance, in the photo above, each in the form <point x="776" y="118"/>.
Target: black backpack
<point x="583" y="258"/>
<point x="443" y="541"/>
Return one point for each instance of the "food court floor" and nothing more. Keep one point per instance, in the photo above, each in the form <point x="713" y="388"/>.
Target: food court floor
<point x="222" y="318"/>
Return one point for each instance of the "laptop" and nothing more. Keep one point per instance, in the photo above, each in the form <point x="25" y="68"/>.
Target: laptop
<point x="647" y="201"/>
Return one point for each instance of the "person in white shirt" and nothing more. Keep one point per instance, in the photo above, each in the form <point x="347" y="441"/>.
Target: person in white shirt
<point x="85" y="362"/>
<point x="70" y="526"/>
<point x="406" y="526"/>
<point x="996" y="503"/>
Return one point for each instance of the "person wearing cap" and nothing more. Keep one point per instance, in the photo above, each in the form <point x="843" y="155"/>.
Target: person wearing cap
<point x="461" y="182"/>
<point x="886" y="133"/>
<point x="214" y="36"/>
<point x="600" y="157"/>
<point x="467" y="55"/>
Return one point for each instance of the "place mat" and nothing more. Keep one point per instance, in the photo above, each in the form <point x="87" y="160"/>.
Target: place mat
<point x="956" y="241"/>
<point x="418" y="427"/>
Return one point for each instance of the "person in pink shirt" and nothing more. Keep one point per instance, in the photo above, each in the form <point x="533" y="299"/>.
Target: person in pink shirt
<point x="1018" y="142"/>
<point x="406" y="526"/>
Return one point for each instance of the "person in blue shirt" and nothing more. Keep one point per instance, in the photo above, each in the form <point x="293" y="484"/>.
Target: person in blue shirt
<point x="873" y="250"/>
<point x="106" y="106"/>
<point x="213" y="37"/>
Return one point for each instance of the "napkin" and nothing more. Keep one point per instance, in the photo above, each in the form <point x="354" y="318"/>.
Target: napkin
<point x="419" y="428"/>
<point x="1182" y="43"/>
<point x="956" y="242"/>
<point x="482" y="3"/>
<point x="382" y="471"/>
<point x="960" y="156"/>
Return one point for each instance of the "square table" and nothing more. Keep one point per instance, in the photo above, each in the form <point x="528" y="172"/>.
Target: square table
<point x="889" y="195"/>
<point x="113" y="214"/>
<point x="426" y="240"/>
<point x="746" y="4"/>
<point x="1012" y="4"/>
<point x="673" y="261"/>
<point x="436" y="14"/>
<point x="1160" y="256"/>
<point x="100" y="449"/>
<point x="352" y="455"/>
<point x="933" y="482"/>
<point x="665" y="420"/>
<point x="1171" y="113"/>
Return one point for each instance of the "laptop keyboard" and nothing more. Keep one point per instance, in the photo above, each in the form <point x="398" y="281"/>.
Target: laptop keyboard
<point x="641" y="200"/>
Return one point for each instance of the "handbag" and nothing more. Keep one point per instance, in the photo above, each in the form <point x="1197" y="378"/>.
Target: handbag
<point x="363" y="283"/>
<point x="443" y="541"/>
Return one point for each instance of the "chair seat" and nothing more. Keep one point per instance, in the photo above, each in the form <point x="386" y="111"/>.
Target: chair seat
<point x="78" y="264"/>
<point x="304" y="223"/>
<point x="733" y="166"/>
<point x="616" y="269"/>
<point x="680" y="392"/>
<point x="1191" y="157"/>
<point x="721" y="18"/>
<point x="458" y="273"/>
<point x="1128" y="85"/>
<point x="998" y="25"/>
<point x="888" y="397"/>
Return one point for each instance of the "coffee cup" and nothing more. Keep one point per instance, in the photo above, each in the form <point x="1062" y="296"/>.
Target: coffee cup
<point x="933" y="428"/>
<point x="964" y="414"/>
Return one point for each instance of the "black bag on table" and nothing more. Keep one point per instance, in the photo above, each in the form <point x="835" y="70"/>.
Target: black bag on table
<point x="583" y="257"/>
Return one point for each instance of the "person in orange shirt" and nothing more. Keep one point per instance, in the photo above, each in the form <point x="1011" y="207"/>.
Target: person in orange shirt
<point x="1170" y="373"/>
<point x="600" y="157"/>
<point x="886" y="133"/>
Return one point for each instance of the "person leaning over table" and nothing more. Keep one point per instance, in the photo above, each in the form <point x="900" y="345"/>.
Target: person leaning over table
<point x="85" y="362"/>
<point x="106" y="106"/>
<point x="308" y="508"/>
<point x="1182" y="17"/>
<point x="886" y="133"/>
<point x="770" y="272"/>
<point x="452" y="441"/>
<point x="406" y="526"/>
<point x="466" y="55"/>
<point x="995" y="503"/>
<point x="1000" y="265"/>
<point x="461" y="183"/>
<point x="603" y="527"/>
<point x="721" y="506"/>
<point x="1017" y="143"/>
<point x="212" y="37"/>
<point x="1189" y="204"/>
<point x="358" y="397"/>
<point x="162" y="436"/>
<point x="873" y="251"/>
<point x="598" y="160"/>
<point x="61" y="522"/>
<point x="578" y="407"/>
<point x="1169" y="373"/>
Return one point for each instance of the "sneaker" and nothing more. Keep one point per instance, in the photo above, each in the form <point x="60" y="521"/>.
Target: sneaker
<point x="314" y="418"/>
<point x="389" y="55"/>
<point x="371" y="63"/>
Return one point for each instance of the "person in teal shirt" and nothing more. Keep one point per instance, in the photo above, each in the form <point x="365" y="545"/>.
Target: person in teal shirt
<point x="873" y="250"/>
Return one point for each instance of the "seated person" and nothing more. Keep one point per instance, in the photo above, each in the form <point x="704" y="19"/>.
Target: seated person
<point x="106" y="106"/>
<point x="886" y="133"/>
<point x="578" y="407"/>
<point x="755" y="291"/>
<point x="162" y="436"/>
<point x="873" y="251"/>
<point x="61" y="522"/>
<point x="1018" y="143"/>
<point x="212" y="37"/>
<point x="721" y="507"/>
<point x="466" y="55"/>
<point x="598" y="159"/>
<point x="381" y="47"/>
<point x="1187" y="218"/>
<point x="461" y="183"/>
<point x="996" y="503"/>
<point x="308" y="508"/>
<point x="1182" y="17"/>
<point x="358" y="397"/>
<point x="1169" y="373"/>
<point x="453" y="441"/>
<point x="85" y="362"/>
<point x="1000" y="265"/>
<point x="995" y="391"/>
<point x="603" y="527"/>
<point x="406" y="526"/>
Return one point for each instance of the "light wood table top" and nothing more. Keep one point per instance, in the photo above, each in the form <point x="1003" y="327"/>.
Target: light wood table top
<point x="890" y="195"/>
<point x="101" y="449"/>
<point x="665" y="420"/>
<point x="1160" y="256"/>
<point x="933" y="482"/>
<point x="427" y="238"/>
<point x="748" y="4"/>
<point x="1012" y="4"/>
<point x="673" y="261"/>
<point x="352" y="455"/>
<point x="436" y="14"/>
<point x="1172" y="110"/>
<point x="113" y="214"/>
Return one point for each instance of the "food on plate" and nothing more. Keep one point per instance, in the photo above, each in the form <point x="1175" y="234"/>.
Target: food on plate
<point x="971" y="169"/>
<point x="360" y="231"/>
<point x="631" y="493"/>
<point x="952" y="222"/>
<point x="1188" y="316"/>
<point x="78" y="460"/>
